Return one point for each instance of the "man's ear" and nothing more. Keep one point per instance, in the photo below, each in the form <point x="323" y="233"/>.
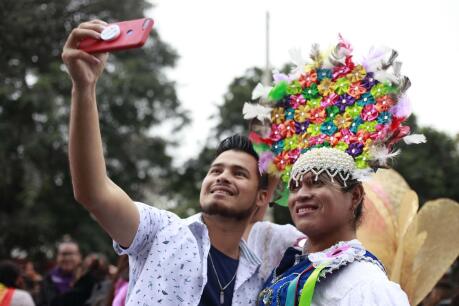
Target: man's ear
<point x="262" y="198"/>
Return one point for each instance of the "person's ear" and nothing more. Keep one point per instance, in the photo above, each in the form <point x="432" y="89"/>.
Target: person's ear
<point x="262" y="198"/>
<point x="357" y="195"/>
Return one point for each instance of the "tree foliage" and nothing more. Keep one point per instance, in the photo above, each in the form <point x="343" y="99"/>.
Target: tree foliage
<point x="36" y="198"/>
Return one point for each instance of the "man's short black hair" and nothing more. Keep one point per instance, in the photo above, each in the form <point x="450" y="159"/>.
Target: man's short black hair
<point x="9" y="273"/>
<point x="241" y="143"/>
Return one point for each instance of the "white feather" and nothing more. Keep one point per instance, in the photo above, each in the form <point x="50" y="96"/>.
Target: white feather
<point x="415" y="139"/>
<point x="297" y="59"/>
<point x="381" y="154"/>
<point x="258" y="111"/>
<point x="260" y="91"/>
<point x="362" y="174"/>
<point x="383" y="76"/>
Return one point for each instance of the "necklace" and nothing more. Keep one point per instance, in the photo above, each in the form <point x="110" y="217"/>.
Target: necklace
<point x="222" y="289"/>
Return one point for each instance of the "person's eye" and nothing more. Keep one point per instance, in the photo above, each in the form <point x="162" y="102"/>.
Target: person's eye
<point x="241" y="174"/>
<point x="214" y="171"/>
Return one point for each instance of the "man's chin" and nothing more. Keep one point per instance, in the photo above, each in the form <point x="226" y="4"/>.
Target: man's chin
<point x="220" y="210"/>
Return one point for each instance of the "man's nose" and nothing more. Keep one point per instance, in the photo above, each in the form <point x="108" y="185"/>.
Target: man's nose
<point x="223" y="177"/>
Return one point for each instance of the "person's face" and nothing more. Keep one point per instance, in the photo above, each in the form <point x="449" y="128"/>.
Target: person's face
<point x="68" y="257"/>
<point x="320" y="207"/>
<point x="230" y="188"/>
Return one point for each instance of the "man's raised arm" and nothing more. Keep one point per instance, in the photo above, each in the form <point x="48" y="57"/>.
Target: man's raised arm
<point x="111" y="206"/>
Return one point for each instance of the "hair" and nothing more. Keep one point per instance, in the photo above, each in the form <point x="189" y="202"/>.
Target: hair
<point x="241" y="143"/>
<point x="9" y="273"/>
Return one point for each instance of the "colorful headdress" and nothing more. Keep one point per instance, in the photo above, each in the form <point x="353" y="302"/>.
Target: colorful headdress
<point x="340" y="116"/>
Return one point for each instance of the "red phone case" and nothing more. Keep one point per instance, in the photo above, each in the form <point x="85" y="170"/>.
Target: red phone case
<point x="134" y="34"/>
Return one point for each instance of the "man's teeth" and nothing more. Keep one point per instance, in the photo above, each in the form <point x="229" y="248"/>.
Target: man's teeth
<point x="306" y="209"/>
<point x="221" y="191"/>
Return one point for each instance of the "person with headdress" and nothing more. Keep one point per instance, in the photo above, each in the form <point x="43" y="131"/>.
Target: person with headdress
<point x="332" y="123"/>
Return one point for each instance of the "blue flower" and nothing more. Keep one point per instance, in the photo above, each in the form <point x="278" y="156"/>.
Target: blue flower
<point x="289" y="114"/>
<point x="278" y="147"/>
<point x="365" y="99"/>
<point x="355" y="125"/>
<point x="328" y="128"/>
<point x="324" y="74"/>
<point x="384" y="118"/>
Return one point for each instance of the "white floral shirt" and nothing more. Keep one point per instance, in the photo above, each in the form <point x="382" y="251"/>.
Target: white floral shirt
<point x="168" y="262"/>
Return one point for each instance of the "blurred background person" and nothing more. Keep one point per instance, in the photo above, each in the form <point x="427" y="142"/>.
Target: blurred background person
<point x="118" y="291"/>
<point x="11" y="293"/>
<point x="62" y="277"/>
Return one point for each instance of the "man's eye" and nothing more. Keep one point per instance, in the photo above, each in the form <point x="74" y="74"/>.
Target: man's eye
<point x="214" y="171"/>
<point x="241" y="173"/>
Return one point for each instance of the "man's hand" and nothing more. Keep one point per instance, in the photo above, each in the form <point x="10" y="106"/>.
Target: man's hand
<point x="83" y="67"/>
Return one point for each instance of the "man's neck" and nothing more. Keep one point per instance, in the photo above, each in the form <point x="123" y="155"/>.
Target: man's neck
<point x="225" y="233"/>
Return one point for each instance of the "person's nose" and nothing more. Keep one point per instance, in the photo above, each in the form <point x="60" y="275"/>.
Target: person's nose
<point x="223" y="177"/>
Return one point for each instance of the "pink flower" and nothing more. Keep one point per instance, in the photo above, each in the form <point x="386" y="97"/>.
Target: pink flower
<point x="369" y="112"/>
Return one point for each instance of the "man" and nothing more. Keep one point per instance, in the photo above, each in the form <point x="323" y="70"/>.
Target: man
<point x="197" y="261"/>
<point x="61" y="278"/>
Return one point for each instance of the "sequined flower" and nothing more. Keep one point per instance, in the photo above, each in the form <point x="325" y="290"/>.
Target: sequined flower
<point x="291" y="143"/>
<point x="353" y="111"/>
<point x="326" y="87"/>
<point x="342" y="146"/>
<point x="314" y="129"/>
<point x="362" y="136"/>
<point x="356" y="90"/>
<point x="317" y="140"/>
<point x="355" y="149"/>
<point x="303" y="142"/>
<point x="347" y="136"/>
<point x="366" y="99"/>
<point x="324" y="74"/>
<point x="293" y="155"/>
<point x="289" y="113"/>
<point x="380" y="90"/>
<point x="355" y="124"/>
<point x="361" y="161"/>
<point x="369" y="126"/>
<point x="380" y="132"/>
<point x="297" y="100"/>
<point x="334" y="139"/>
<point x="311" y="92"/>
<point x="278" y="147"/>
<point x="302" y="113"/>
<point x="369" y="112"/>
<point x="318" y="115"/>
<point x="314" y="103"/>
<point x="285" y="176"/>
<point x="342" y="86"/>
<point x="369" y="81"/>
<point x="384" y="118"/>
<point x="357" y="74"/>
<point x="278" y="115"/>
<point x="275" y="133"/>
<point x="329" y="100"/>
<point x="344" y="101"/>
<point x="307" y="79"/>
<point x="301" y="127"/>
<point x="340" y="71"/>
<point x="289" y="128"/>
<point x="343" y="121"/>
<point x="294" y="88"/>
<point x="281" y="161"/>
<point x="384" y="103"/>
<point x="328" y="128"/>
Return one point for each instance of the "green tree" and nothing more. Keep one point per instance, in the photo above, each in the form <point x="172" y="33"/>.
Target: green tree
<point x="36" y="198"/>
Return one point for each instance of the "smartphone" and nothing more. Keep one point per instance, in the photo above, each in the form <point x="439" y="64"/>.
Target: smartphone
<point x="119" y="36"/>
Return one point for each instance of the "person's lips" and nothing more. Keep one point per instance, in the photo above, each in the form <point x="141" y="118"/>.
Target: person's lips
<point x="305" y="209"/>
<point x="221" y="190"/>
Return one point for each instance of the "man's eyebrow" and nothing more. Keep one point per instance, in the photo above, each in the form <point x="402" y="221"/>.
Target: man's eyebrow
<point x="237" y="167"/>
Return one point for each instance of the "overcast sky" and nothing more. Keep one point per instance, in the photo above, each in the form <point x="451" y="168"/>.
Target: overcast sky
<point x="218" y="40"/>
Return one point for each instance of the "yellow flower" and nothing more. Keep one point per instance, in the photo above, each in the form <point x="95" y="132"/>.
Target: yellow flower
<point x="302" y="113"/>
<point x="326" y="87"/>
<point x="278" y="115"/>
<point x="357" y="74"/>
<point x="343" y="121"/>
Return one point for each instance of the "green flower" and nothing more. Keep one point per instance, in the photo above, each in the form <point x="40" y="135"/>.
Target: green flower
<point x="313" y="129"/>
<point x="342" y="86"/>
<point x="279" y="91"/>
<point x="361" y="161"/>
<point x="369" y="126"/>
<point x="294" y="88"/>
<point x="291" y="143"/>
<point x="314" y="103"/>
<point x="285" y="177"/>
<point x="353" y="111"/>
<point x="342" y="146"/>
<point x="380" y="90"/>
<point x="311" y="92"/>
<point x="332" y="111"/>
